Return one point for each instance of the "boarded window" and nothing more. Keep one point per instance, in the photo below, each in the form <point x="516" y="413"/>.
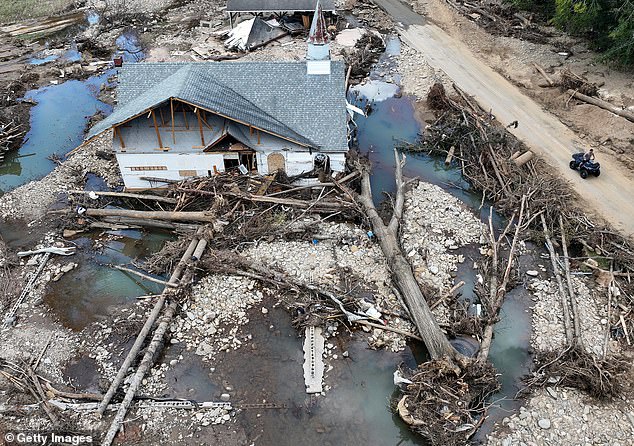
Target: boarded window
<point x="276" y="162"/>
<point x="145" y="168"/>
<point x="187" y="173"/>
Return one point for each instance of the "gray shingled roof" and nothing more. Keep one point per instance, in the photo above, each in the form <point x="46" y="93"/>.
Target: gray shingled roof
<point x="278" y="97"/>
<point x="277" y="5"/>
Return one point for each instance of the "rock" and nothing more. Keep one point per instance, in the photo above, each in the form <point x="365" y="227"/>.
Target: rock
<point x="532" y="273"/>
<point x="551" y="392"/>
<point x="544" y="423"/>
<point x="225" y="397"/>
<point x="265" y="310"/>
<point x="433" y="269"/>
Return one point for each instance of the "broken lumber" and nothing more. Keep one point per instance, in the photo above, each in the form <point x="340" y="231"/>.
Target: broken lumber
<point x="153" y="215"/>
<point x="523" y="158"/>
<point x="603" y="104"/>
<point x="452" y="150"/>
<point x="143" y="276"/>
<point x="541" y="71"/>
<point x="125" y="195"/>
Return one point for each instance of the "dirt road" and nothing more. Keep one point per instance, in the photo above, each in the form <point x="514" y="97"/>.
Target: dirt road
<point x="611" y="195"/>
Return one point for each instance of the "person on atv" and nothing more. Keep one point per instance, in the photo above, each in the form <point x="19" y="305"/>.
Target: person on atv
<point x="588" y="156"/>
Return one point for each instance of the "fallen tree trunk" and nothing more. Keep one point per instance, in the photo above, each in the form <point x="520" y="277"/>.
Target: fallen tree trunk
<point x="138" y="343"/>
<point x="543" y="73"/>
<point x="302" y="204"/>
<point x="151" y="215"/>
<point x="434" y="338"/>
<point x="141" y="222"/>
<point x="147" y="361"/>
<point x="562" y="294"/>
<point x="576" y="320"/>
<point x="497" y="292"/>
<point x="603" y="104"/>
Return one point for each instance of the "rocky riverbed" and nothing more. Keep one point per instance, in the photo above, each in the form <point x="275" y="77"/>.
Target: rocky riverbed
<point x="563" y="416"/>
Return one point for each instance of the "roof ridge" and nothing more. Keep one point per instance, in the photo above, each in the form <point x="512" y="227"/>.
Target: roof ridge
<point x="299" y="137"/>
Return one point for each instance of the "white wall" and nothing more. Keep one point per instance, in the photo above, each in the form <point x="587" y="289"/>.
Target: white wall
<point x="300" y="162"/>
<point x="202" y="163"/>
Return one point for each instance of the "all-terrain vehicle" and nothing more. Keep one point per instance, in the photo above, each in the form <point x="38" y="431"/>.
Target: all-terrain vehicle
<point x="585" y="167"/>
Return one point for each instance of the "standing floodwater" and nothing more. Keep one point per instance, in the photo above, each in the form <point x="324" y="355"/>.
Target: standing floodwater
<point x="57" y="126"/>
<point x="392" y="123"/>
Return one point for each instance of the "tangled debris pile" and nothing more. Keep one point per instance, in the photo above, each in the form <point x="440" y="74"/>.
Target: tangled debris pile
<point x="502" y="18"/>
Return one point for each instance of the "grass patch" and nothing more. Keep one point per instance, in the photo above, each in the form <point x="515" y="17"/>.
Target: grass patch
<point x="14" y="10"/>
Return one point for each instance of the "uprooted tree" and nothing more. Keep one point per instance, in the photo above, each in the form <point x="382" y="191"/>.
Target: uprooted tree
<point x="435" y="340"/>
<point x="447" y="397"/>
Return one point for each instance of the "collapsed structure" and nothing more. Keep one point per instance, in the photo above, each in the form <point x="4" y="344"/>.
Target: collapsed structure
<point x="180" y="120"/>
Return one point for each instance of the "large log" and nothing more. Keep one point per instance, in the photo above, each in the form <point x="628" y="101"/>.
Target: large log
<point x="146" y="362"/>
<point x="603" y="104"/>
<point x="434" y="338"/>
<point x="157" y="215"/>
<point x="302" y="204"/>
<point x="108" y="222"/>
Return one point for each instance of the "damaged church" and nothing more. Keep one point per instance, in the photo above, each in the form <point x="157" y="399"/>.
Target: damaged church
<point x="179" y="120"/>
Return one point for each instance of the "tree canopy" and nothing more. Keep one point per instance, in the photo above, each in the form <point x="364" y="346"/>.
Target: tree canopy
<point x="608" y="24"/>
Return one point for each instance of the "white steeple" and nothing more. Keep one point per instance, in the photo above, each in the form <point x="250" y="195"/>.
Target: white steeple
<point x="318" y="53"/>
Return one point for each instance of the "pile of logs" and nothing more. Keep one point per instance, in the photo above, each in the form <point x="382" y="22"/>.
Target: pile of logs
<point x="363" y="56"/>
<point x="238" y="207"/>
<point x="501" y="18"/>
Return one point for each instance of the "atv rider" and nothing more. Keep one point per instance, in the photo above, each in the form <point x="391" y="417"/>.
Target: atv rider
<point x="588" y="156"/>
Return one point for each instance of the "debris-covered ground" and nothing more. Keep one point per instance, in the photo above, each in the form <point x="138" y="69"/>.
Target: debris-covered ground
<point x="229" y="317"/>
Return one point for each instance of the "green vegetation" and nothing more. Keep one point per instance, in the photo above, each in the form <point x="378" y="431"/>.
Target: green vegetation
<point x="607" y="24"/>
<point x="14" y="10"/>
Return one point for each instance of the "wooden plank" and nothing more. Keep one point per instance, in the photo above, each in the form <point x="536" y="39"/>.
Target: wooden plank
<point x="117" y="131"/>
<point x="265" y="184"/>
<point x="158" y="134"/>
<point x="172" y="111"/>
<point x="200" y="126"/>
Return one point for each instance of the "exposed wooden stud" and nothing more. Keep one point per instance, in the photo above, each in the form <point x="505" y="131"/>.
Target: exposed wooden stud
<point x="158" y="134"/>
<point x="259" y="137"/>
<point x="117" y="131"/>
<point x="200" y="126"/>
<point x="246" y="124"/>
<point x="162" y="118"/>
<point x="172" y="111"/>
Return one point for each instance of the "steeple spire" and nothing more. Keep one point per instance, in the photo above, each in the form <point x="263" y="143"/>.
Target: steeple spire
<point x="318" y="34"/>
<point x="318" y="52"/>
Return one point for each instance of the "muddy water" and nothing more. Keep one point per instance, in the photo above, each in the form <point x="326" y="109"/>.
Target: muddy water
<point x="391" y="123"/>
<point x="270" y="368"/>
<point x="90" y="291"/>
<point x="57" y="126"/>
